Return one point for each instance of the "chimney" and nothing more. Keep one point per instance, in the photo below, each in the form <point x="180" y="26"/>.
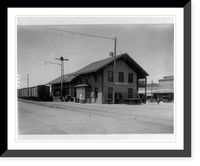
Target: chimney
<point x="111" y="54"/>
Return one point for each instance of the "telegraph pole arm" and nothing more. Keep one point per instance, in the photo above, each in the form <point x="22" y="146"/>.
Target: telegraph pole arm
<point x="52" y="63"/>
<point x="61" y="59"/>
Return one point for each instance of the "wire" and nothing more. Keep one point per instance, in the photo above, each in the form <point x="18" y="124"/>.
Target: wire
<point x="77" y="33"/>
<point x="154" y="49"/>
<point x="119" y="47"/>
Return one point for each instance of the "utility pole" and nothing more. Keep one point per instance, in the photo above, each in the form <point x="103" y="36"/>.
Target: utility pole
<point x="88" y="35"/>
<point x="62" y="73"/>
<point x="114" y="68"/>
<point x="151" y="90"/>
<point x="28" y="84"/>
<point x="27" y="78"/>
<point x="53" y="64"/>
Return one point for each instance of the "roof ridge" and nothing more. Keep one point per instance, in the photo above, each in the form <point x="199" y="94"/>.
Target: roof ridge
<point x="107" y="58"/>
<point x="99" y="62"/>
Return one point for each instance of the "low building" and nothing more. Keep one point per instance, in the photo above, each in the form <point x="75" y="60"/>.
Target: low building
<point x="94" y="82"/>
<point x="150" y="88"/>
<point x="163" y="89"/>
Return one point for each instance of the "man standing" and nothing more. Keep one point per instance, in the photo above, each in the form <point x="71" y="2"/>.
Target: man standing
<point x="158" y="100"/>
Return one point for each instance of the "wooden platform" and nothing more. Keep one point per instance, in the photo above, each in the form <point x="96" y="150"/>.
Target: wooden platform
<point x="133" y="101"/>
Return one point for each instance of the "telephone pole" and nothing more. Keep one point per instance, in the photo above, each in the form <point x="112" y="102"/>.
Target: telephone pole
<point x="62" y="73"/>
<point x="88" y="35"/>
<point x="114" y="68"/>
<point x="27" y="79"/>
<point x="28" y="84"/>
<point x="151" y="90"/>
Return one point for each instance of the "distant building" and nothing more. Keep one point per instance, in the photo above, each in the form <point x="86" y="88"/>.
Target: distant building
<point x="150" y="88"/>
<point x="94" y="82"/>
<point x="164" y="88"/>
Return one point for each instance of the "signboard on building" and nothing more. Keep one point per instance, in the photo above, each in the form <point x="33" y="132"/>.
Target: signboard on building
<point x="121" y="83"/>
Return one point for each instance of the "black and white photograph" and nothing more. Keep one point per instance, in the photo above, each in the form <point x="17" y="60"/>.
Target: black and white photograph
<point x="99" y="82"/>
<point x="95" y="78"/>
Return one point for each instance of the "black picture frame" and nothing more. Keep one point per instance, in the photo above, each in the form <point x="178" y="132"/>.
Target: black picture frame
<point x="186" y="152"/>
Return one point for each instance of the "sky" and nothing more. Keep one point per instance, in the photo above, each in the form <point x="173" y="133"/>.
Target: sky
<point x="150" y="45"/>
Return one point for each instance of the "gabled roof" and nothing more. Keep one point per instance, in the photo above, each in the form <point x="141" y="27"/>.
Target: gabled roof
<point x="67" y="78"/>
<point x="95" y="66"/>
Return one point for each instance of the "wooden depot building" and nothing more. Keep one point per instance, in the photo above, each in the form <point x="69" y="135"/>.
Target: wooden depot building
<point x="94" y="83"/>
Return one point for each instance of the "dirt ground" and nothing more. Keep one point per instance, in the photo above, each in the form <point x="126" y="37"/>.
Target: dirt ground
<point x="74" y="118"/>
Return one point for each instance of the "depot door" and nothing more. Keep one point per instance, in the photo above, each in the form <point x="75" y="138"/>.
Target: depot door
<point x="96" y="95"/>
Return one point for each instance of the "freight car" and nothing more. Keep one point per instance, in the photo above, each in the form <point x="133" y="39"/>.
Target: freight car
<point x="39" y="93"/>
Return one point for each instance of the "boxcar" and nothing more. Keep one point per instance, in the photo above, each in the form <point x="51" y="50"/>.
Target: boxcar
<point x="39" y="93"/>
<point x="22" y="93"/>
<point x="19" y="93"/>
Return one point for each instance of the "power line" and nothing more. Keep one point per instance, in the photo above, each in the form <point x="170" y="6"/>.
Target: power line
<point x="77" y="33"/>
<point x="119" y="47"/>
<point x="154" y="49"/>
<point x="82" y="34"/>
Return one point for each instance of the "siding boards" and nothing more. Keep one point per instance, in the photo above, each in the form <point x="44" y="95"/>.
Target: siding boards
<point x="122" y="88"/>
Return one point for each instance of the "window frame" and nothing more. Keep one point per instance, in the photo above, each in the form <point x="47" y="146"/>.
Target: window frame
<point x="121" y="77"/>
<point x="110" y="79"/>
<point x="130" y="79"/>
<point x="96" y="78"/>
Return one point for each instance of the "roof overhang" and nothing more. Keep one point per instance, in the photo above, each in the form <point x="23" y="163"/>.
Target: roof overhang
<point x="82" y="85"/>
<point x="67" y="78"/>
<point x="164" y="91"/>
<point x="135" y="66"/>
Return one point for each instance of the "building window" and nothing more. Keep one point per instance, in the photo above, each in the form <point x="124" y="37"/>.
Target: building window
<point x="110" y="92"/>
<point x="110" y="76"/>
<point x="80" y="81"/>
<point x="130" y="77"/>
<point x="130" y="92"/>
<point x="121" y="77"/>
<point x="86" y="80"/>
<point x="96" y="78"/>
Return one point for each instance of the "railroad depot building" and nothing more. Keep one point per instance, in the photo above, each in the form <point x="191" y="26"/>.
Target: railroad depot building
<point x="94" y="82"/>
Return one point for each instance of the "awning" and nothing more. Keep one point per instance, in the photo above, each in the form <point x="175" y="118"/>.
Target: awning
<point x="164" y="91"/>
<point x="82" y="85"/>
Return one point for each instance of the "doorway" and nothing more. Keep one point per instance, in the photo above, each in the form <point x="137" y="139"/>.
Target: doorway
<point x="96" y="94"/>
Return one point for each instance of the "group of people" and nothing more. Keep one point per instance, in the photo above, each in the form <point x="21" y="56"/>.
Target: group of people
<point x="155" y="100"/>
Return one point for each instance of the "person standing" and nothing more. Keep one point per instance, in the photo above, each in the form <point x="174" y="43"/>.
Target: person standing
<point x="158" y="101"/>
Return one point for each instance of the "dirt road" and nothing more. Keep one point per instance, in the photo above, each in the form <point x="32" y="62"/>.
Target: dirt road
<point x="74" y="118"/>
